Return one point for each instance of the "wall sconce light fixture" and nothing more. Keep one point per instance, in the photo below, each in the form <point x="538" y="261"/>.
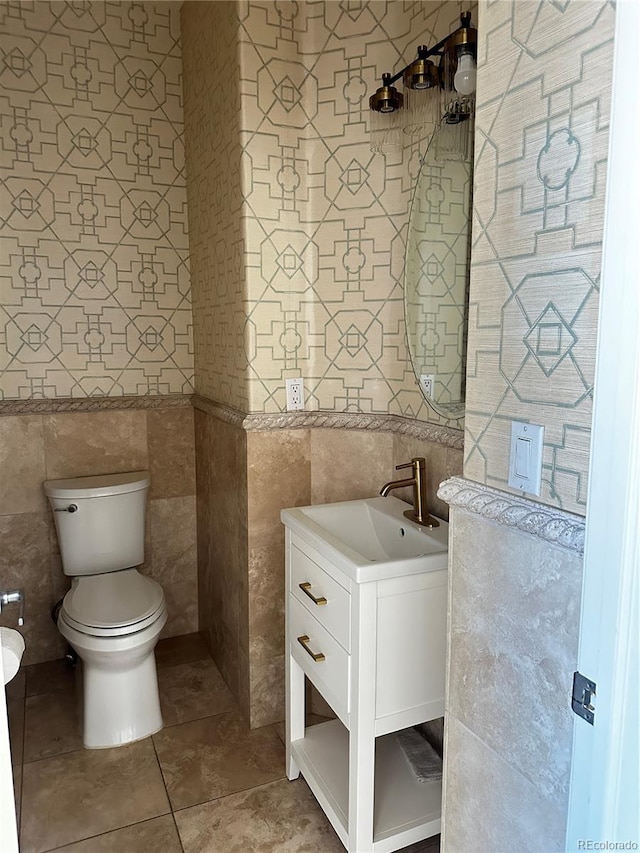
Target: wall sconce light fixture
<point x="432" y="94"/>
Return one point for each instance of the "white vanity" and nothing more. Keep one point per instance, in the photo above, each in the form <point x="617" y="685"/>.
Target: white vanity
<point x="366" y="623"/>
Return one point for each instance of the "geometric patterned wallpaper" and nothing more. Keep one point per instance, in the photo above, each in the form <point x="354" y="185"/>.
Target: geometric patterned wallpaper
<point x="322" y="221"/>
<point x="94" y="276"/>
<point x="214" y="191"/>
<point x="542" y="128"/>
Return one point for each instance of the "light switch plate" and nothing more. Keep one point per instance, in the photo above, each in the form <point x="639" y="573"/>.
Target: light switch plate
<point x="525" y="459"/>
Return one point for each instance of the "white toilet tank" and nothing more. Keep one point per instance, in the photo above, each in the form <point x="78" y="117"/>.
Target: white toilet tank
<point x="100" y="521"/>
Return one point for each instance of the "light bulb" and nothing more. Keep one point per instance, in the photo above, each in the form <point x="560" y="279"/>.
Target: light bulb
<point x="464" y="80"/>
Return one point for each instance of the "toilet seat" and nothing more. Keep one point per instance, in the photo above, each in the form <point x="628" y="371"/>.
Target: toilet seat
<point x="113" y="604"/>
<point x="120" y="631"/>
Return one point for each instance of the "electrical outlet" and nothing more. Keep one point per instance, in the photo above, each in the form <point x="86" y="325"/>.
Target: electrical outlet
<point x="295" y="394"/>
<point x="427" y="381"/>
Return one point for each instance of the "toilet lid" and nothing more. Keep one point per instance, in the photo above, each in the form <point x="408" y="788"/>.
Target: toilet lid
<point x="113" y="600"/>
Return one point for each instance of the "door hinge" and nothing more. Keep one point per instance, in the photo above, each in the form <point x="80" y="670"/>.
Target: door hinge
<point x="582" y="697"/>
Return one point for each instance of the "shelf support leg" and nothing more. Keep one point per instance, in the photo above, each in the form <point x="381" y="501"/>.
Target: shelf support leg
<point x="361" y="789"/>
<point x="362" y="740"/>
<point x="295" y="710"/>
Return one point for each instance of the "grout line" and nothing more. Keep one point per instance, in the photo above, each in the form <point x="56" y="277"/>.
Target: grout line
<point x="45" y="691"/>
<point x="163" y="666"/>
<point x="234" y="710"/>
<point x="235" y="793"/>
<point x="165" y="727"/>
<point x="57" y="755"/>
<point x="164" y="782"/>
<point x="108" y="832"/>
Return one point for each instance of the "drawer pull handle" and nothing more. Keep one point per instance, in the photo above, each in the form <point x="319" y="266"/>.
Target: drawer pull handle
<point x="305" y="587"/>
<point x="317" y="656"/>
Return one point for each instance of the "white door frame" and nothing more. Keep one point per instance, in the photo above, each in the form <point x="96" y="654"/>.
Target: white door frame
<point x="8" y="829"/>
<point x="605" y="792"/>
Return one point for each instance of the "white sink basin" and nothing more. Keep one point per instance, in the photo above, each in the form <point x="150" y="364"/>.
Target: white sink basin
<point x="370" y="539"/>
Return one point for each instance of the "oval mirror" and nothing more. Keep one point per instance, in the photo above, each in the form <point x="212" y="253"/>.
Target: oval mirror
<point x="436" y="276"/>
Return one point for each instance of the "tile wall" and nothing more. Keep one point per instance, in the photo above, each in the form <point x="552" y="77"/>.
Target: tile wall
<point x="513" y="646"/>
<point x="244" y="479"/>
<point x="221" y="478"/>
<point x="34" y="448"/>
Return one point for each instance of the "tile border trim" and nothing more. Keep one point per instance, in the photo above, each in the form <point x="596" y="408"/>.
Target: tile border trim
<point x="218" y="411"/>
<point x="445" y="436"/>
<point x="72" y="405"/>
<point x="544" y="522"/>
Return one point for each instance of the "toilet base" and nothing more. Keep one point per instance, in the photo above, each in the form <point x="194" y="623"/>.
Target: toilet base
<point x="120" y="707"/>
<point x="120" y="685"/>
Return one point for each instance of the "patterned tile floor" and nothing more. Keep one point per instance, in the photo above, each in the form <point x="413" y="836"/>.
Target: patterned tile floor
<point x="205" y="784"/>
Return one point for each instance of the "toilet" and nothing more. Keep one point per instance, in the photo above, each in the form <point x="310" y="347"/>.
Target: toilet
<point x="112" y="615"/>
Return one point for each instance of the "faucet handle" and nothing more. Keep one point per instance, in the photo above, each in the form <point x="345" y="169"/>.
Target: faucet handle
<point x="416" y="462"/>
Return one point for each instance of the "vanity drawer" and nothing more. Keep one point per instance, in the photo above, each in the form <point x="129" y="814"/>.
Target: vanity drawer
<point x="330" y="675"/>
<point x="335" y="614"/>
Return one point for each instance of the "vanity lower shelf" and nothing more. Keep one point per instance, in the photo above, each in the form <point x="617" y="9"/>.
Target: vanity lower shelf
<point x="405" y="810"/>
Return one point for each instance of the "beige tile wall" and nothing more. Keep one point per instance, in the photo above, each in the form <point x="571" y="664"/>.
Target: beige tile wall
<point x="34" y="448"/>
<point x="221" y="477"/>
<point x="279" y="474"/>
<point x="510" y="815"/>
<point x="513" y="620"/>
<point x="244" y="480"/>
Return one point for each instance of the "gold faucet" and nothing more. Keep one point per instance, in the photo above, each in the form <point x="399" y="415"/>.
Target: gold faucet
<point x="419" y="512"/>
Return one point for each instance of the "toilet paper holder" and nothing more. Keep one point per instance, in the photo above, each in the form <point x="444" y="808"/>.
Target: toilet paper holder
<point x="13" y="596"/>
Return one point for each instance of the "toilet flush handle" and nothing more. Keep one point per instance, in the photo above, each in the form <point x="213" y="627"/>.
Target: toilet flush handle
<point x="70" y="508"/>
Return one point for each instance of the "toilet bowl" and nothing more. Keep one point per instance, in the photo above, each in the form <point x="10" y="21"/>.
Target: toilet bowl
<point x="112" y="615"/>
<point x="120" y="690"/>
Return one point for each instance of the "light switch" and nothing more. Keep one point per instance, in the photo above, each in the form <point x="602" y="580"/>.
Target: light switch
<point x="525" y="459"/>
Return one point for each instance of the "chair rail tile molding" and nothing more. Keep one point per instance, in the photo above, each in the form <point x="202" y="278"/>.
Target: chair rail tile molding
<point x="539" y="520"/>
<point x="257" y="422"/>
<point x="70" y="405"/>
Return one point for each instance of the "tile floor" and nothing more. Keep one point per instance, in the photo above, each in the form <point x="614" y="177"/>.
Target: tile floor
<point x="205" y="784"/>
